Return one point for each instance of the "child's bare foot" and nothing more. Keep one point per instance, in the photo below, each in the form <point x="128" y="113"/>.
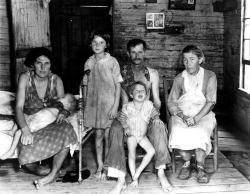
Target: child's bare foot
<point x="134" y="183"/>
<point x="6" y="155"/>
<point x="8" y="132"/>
<point x="45" y="181"/>
<point x="120" y="185"/>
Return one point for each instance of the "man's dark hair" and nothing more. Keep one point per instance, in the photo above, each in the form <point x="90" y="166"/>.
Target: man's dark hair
<point x="36" y="53"/>
<point x="135" y="42"/>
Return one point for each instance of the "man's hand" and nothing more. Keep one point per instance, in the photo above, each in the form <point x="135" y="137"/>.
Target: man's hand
<point x="27" y="137"/>
<point x="127" y="132"/>
<point x="157" y="122"/>
<point x="122" y="117"/>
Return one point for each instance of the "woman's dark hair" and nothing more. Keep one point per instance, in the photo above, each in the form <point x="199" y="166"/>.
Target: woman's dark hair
<point x="135" y="42"/>
<point x="37" y="52"/>
<point x="132" y="87"/>
<point x="195" y="50"/>
<point x="103" y="34"/>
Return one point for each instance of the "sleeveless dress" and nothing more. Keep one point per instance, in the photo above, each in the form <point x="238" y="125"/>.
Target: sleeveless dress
<point x="50" y="140"/>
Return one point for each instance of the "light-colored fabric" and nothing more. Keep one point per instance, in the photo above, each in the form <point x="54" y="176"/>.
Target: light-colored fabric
<point x="41" y="119"/>
<point x="6" y="140"/>
<point x="104" y="74"/>
<point x="113" y="172"/>
<point x="186" y="137"/>
<point x="7" y="102"/>
<point x="209" y="89"/>
<point x="138" y="120"/>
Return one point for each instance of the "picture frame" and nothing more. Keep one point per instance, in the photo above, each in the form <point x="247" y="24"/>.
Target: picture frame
<point x="155" y="20"/>
<point x="182" y="4"/>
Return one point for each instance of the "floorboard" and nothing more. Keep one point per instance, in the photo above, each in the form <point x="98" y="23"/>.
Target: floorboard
<point x="227" y="180"/>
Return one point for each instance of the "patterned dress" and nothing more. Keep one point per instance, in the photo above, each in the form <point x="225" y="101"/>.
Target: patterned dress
<point x="50" y="140"/>
<point x="103" y="76"/>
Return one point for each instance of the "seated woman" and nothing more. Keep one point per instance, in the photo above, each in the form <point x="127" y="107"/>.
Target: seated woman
<point x="36" y="88"/>
<point x="191" y="100"/>
<point x="40" y="120"/>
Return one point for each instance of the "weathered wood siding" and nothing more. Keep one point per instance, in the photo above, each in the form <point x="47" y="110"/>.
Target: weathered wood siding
<point x="203" y="27"/>
<point x="31" y="24"/>
<point x="31" y="29"/>
<point x="239" y="101"/>
<point x="4" y="48"/>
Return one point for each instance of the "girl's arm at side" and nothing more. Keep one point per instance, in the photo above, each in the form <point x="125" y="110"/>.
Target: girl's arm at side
<point x="114" y="109"/>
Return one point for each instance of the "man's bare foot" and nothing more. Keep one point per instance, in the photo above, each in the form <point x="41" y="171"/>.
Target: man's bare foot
<point x="45" y="181"/>
<point x="120" y="185"/>
<point x="8" y="132"/>
<point x="134" y="183"/>
<point x="165" y="185"/>
<point x="7" y="154"/>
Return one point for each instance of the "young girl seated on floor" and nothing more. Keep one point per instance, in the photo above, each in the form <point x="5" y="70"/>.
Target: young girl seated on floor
<point x="42" y="119"/>
<point x="138" y="113"/>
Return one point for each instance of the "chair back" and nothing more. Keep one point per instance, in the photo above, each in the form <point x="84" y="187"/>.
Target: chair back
<point x="166" y="88"/>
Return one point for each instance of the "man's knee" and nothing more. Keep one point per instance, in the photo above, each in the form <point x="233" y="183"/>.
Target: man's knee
<point x="99" y="135"/>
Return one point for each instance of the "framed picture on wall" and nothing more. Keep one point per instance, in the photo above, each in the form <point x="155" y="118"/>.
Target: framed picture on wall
<point x="155" y="20"/>
<point x="182" y="4"/>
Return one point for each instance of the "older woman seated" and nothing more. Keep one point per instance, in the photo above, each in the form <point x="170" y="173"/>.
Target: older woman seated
<point x="191" y="100"/>
<point x="36" y="89"/>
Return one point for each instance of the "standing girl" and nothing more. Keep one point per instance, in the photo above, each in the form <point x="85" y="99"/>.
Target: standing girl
<point x="101" y="93"/>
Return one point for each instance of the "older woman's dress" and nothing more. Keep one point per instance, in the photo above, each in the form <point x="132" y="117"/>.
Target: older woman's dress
<point x="50" y="140"/>
<point x="188" y="95"/>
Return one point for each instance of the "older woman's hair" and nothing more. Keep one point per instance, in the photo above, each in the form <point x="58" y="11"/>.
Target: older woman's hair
<point x="132" y="87"/>
<point x="103" y="34"/>
<point x="37" y="52"/>
<point x="135" y="42"/>
<point x="195" y="50"/>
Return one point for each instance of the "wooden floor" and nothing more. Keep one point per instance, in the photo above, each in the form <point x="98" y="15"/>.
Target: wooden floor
<point x="227" y="180"/>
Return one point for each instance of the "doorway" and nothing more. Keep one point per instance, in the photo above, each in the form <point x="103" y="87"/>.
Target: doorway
<point x="71" y="24"/>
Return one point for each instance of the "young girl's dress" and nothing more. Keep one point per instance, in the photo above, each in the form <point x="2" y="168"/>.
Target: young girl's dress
<point x="103" y="76"/>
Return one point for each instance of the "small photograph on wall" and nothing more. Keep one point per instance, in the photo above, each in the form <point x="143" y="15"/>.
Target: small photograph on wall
<point x="155" y="20"/>
<point x="182" y="4"/>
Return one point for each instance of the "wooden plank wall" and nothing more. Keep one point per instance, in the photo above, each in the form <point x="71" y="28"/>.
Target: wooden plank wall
<point x="4" y="48"/>
<point x="31" y="29"/>
<point x="203" y="27"/>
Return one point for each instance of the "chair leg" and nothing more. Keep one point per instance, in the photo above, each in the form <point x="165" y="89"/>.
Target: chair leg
<point x="215" y="156"/>
<point x="173" y="160"/>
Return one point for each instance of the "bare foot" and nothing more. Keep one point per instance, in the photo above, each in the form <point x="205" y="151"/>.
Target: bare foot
<point x="120" y="185"/>
<point x="165" y="185"/>
<point x="45" y="181"/>
<point x="8" y="132"/>
<point x="134" y="183"/>
<point x="7" y="154"/>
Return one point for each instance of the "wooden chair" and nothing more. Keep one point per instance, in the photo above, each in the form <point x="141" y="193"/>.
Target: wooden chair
<point x="214" y="137"/>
